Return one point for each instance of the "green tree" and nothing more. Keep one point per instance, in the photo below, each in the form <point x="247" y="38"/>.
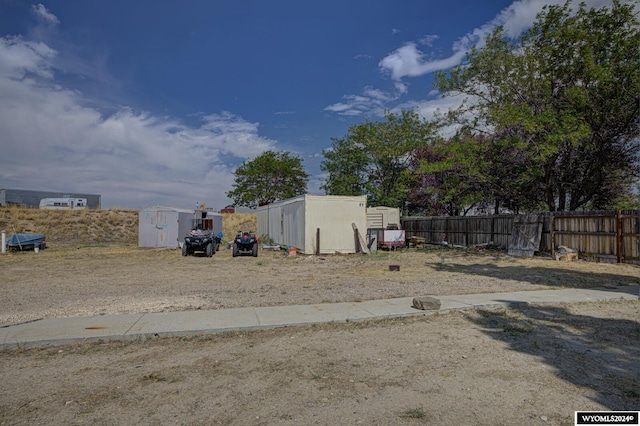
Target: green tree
<point x="561" y="102"/>
<point x="270" y="177"/>
<point x="373" y="159"/>
<point x="446" y="178"/>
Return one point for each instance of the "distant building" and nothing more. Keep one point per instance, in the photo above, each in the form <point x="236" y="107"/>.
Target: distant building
<point x="26" y="198"/>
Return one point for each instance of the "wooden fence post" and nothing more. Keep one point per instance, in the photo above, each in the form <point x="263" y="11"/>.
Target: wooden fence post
<point x="493" y="226"/>
<point x="466" y="233"/>
<point x="619" y="236"/>
<point x="552" y="237"/>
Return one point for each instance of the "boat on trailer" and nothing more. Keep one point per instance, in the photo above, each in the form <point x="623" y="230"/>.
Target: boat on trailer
<point x="24" y="241"/>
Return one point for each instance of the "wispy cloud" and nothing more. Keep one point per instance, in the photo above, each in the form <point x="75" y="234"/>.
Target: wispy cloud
<point x="370" y="102"/>
<point x="414" y="59"/>
<point x="53" y="141"/>
<point x="428" y="40"/>
<point x="410" y="61"/>
<point x="41" y="11"/>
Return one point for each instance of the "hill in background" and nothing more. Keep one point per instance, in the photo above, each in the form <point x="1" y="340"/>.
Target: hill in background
<point x="111" y="226"/>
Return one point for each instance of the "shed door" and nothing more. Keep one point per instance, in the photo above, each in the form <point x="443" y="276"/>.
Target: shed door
<point x="162" y="233"/>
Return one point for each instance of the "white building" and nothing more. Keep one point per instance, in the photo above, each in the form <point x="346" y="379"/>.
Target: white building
<point x="321" y="224"/>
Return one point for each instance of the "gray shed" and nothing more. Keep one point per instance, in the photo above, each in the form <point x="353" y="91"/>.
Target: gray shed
<point x="166" y="226"/>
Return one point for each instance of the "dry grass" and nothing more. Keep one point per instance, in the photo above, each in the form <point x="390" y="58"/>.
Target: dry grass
<point x="110" y="226"/>
<point x="234" y="222"/>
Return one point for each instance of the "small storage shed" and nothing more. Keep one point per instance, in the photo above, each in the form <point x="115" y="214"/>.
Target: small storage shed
<point x="321" y="224"/>
<point x="166" y="226"/>
<point x="383" y="217"/>
<point x="383" y="225"/>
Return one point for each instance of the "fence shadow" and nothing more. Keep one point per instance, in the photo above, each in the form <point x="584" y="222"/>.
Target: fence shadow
<point x="601" y="355"/>
<point x="552" y="276"/>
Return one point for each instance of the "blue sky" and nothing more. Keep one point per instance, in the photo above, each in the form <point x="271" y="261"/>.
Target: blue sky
<point x="156" y="102"/>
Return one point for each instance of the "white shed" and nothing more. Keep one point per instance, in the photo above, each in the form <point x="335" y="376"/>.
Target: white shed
<point x="320" y="224"/>
<point x="383" y="217"/>
<point x="166" y="226"/>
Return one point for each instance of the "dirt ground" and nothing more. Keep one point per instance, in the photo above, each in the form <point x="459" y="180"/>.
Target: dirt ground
<point x="528" y="366"/>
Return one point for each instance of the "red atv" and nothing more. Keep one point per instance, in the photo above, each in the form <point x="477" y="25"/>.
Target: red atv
<point x="245" y="243"/>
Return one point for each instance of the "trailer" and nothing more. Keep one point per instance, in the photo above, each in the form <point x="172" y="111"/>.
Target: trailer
<point x="383" y="227"/>
<point x="68" y="203"/>
<point x="387" y="238"/>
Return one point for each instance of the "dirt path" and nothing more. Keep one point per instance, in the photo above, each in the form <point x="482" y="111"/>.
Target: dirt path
<point x="531" y="366"/>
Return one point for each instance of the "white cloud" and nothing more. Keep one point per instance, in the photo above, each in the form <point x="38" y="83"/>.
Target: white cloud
<point x="52" y="141"/>
<point x="370" y="102"/>
<point x="428" y="40"/>
<point x="20" y="58"/>
<point x="41" y="11"/>
<point x="409" y="61"/>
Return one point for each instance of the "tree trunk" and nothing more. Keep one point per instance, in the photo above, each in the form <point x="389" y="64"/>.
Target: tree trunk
<point x="562" y="199"/>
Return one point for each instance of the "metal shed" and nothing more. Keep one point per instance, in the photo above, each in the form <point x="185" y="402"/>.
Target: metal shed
<point x="166" y="226"/>
<point x="321" y="224"/>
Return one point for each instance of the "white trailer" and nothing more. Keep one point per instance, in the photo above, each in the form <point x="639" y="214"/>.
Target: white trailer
<point x="67" y="203"/>
<point x="316" y="224"/>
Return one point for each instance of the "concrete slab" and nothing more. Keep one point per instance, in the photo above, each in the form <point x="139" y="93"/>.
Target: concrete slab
<point x="391" y="307"/>
<point x="309" y="314"/>
<point x="67" y="330"/>
<point x="190" y="322"/>
<point x="72" y="329"/>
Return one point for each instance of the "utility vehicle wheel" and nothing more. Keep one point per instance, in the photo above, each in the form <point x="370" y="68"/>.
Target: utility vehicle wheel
<point x="184" y="249"/>
<point x="235" y="249"/>
<point x="255" y="250"/>
<point x="209" y="250"/>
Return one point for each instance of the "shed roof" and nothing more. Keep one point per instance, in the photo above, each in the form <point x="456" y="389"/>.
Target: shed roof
<point x="166" y="208"/>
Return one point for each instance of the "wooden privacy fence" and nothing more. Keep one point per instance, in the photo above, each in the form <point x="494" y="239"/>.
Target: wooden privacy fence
<point x="602" y="236"/>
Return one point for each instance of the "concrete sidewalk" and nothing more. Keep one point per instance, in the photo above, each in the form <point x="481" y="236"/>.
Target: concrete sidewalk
<point x="57" y="331"/>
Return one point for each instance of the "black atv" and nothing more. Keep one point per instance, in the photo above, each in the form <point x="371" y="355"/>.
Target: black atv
<point x="201" y="240"/>
<point x="245" y="243"/>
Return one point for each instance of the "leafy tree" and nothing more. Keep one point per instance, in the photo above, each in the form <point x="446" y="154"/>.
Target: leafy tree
<point x="559" y="106"/>
<point x="446" y="180"/>
<point x="270" y="177"/>
<point x="373" y="159"/>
